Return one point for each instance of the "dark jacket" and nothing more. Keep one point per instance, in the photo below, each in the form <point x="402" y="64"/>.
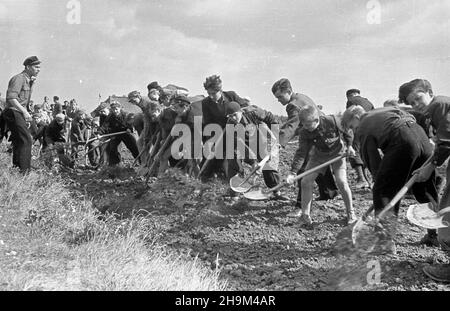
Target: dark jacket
<point x="326" y="138"/>
<point x="78" y="131"/>
<point x="376" y="131"/>
<point x="54" y="133"/>
<point x="288" y="130"/>
<point x="114" y="124"/>
<point x="439" y="113"/>
<point x="256" y="115"/>
<point x="215" y="112"/>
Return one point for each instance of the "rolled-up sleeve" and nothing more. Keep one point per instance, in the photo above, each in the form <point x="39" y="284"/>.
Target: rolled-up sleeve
<point x="289" y="128"/>
<point x="14" y="88"/>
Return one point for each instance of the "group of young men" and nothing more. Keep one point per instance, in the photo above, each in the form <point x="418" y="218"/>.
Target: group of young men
<point x="53" y="125"/>
<point x="391" y="142"/>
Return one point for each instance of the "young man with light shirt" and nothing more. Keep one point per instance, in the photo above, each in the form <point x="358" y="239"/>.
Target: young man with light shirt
<point x="17" y="117"/>
<point x="282" y="90"/>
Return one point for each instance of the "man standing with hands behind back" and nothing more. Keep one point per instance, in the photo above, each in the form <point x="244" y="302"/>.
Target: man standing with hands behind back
<point x="16" y="115"/>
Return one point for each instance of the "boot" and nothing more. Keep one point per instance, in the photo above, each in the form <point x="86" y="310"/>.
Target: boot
<point x="361" y="182"/>
<point x="351" y="217"/>
<point x="430" y="239"/>
<point x="278" y="196"/>
<point x="439" y="273"/>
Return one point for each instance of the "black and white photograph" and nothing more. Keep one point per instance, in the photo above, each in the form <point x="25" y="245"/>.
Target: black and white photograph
<point x="227" y="152"/>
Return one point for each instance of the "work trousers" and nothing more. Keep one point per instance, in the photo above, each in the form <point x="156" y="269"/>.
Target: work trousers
<point x="21" y="139"/>
<point x="407" y="150"/>
<point x="113" y="153"/>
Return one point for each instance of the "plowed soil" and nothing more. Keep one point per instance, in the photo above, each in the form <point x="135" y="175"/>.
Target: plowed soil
<point x="254" y="244"/>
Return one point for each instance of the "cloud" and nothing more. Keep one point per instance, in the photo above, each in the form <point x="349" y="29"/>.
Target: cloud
<point x="324" y="47"/>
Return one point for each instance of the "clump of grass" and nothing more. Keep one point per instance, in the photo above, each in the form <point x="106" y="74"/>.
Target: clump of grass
<point x="127" y="263"/>
<point x="53" y="240"/>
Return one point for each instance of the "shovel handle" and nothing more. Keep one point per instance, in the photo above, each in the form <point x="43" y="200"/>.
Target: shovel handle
<point x="212" y="155"/>
<point x="255" y="169"/>
<point x="104" y="136"/>
<point x="308" y="172"/>
<point x="402" y="191"/>
<point x="443" y="211"/>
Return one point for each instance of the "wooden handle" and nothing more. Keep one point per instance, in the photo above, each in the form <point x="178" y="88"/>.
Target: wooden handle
<point x="210" y="158"/>
<point x="443" y="211"/>
<point x="319" y="167"/>
<point x="403" y="191"/>
<point x="308" y="172"/>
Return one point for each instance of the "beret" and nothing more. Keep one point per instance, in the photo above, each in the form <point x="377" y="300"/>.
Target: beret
<point x="32" y="60"/>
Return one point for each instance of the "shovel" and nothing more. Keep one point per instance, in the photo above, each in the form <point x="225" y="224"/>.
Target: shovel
<point x="423" y="216"/>
<point x="260" y="195"/>
<point x="241" y="185"/>
<point x="104" y="136"/>
<point x="360" y="228"/>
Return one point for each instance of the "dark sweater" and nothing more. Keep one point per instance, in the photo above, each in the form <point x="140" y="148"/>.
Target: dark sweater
<point x="215" y="112"/>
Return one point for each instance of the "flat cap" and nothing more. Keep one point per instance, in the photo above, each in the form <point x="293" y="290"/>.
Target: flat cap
<point x="154" y="85"/>
<point x="181" y="99"/>
<point x="115" y="104"/>
<point x="133" y="94"/>
<point x="32" y="60"/>
<point x="351" y="91"/>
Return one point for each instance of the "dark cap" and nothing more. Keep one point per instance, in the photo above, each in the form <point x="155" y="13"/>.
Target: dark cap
<point x="351" y="91"/>
<point x="154" y="85"/>
<point x="32" y="60"/>
<point x="181" y="99"/>
<point x="232" y="107"/>
<point x="133" y="94"/>
<point x="115" y="104"/>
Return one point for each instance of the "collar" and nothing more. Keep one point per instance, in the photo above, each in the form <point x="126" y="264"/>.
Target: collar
<point x="293" y="98"/>
<point x="427" y="109"/>
<point x="27" y="76"/>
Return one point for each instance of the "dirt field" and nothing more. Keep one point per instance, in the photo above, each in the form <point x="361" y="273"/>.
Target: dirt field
<point x="254" y="244"/>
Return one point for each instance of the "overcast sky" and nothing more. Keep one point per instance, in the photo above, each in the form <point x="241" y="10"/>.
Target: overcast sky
<point x="324" y="46"/>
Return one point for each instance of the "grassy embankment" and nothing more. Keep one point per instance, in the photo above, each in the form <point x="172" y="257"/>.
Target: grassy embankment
<point x="51" y="239"/>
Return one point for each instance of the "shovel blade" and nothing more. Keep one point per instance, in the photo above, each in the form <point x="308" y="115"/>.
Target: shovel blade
<point x="257" y="195"/>
<point x="423" y="216"/>
<point x="237" y="186"/>
<point x="363" y="237"/>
